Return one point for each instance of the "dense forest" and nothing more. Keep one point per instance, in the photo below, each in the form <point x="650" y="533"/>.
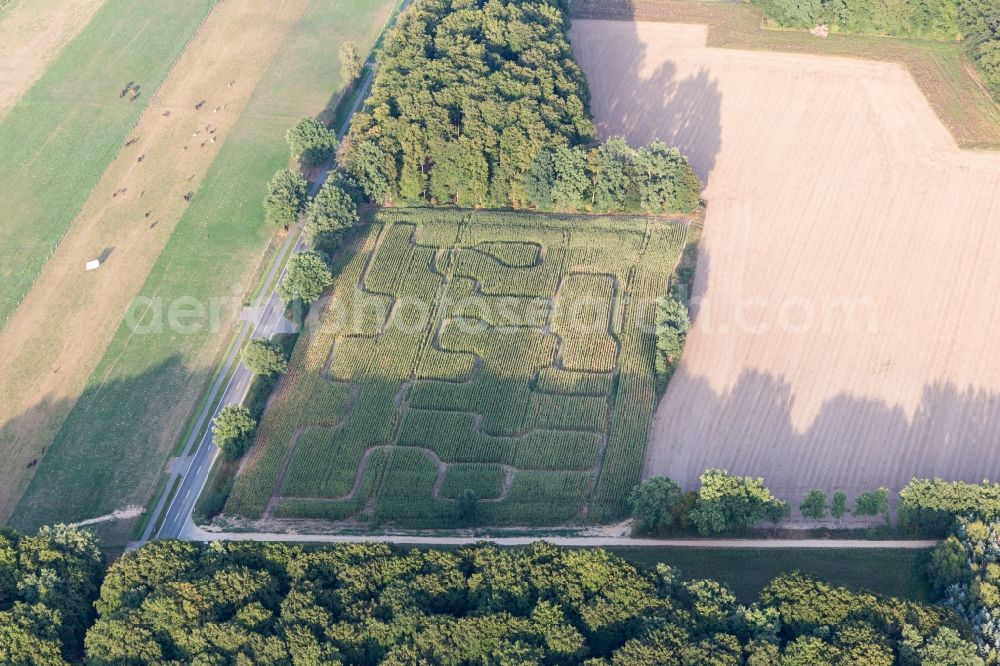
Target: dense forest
<point x="48" y="583"/>
<point x="255" y="603"/>
<point x="481" y="103"/>
<point x="977" y="21"/>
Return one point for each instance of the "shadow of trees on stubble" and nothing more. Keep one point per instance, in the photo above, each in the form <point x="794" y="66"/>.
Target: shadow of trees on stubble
<point x="683" y="110"/>
<point x="854" y="443"/>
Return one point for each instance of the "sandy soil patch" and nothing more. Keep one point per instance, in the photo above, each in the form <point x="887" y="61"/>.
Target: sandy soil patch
<point x="847" y="317"/>
<point x="32" y="32"/>
<point x="61" y="329"/>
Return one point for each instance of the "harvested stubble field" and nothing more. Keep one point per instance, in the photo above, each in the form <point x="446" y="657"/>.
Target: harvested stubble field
<point x="845" y="294"/>
<point x="114" y="425"/>
<point x="509" y="354"/>
<point x="941" y="69"/>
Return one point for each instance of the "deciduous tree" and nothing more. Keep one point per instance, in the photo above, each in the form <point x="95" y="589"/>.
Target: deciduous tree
<point x="306" y="278"/>
<point x="264" y="357"/>
<point x="312" y="143"/>
<point x="727" y="502"/>
<point x="232" y="430"/>
<point x="286" y="198"/>
<point x="350" y="63"/>
<point x="654" y="503"/>
<point x="814" y="505"/>
<point x="329" y="216"/>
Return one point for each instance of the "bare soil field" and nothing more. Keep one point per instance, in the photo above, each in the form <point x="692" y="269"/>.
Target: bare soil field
<point x="60" y="331"/>
<point x="31" y="34"/>
<point x="846" y="312"/>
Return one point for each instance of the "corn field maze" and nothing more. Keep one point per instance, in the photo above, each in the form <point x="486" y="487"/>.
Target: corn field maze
<point x="508" y="354"/>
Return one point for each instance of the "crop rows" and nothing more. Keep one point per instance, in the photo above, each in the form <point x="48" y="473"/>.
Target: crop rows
<point x="486" y="481"/>
<point x="569" y="382"/>
<point x="473" y="341"/>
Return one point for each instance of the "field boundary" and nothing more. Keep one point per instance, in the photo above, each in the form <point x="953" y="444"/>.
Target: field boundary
<point x="947" y="78"/>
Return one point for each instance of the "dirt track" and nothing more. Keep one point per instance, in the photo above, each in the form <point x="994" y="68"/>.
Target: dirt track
<point x="32" y="32"/>
<point x="63" y="326"/>
<point x="847" y="312"/>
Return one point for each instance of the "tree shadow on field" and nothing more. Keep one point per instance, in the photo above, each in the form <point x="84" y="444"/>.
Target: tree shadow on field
<point x="107" y="454"/>
<point x="681" y="108"/>
<point x="854" y="443"/>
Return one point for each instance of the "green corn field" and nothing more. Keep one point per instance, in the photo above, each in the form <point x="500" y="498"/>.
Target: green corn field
<point x="506" y="354"/>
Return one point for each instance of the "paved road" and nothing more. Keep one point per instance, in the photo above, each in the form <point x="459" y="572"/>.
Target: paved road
<point x="264" y="319"/>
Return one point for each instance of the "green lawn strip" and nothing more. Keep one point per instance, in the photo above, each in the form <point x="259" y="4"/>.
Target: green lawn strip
<point x="60" y="137"/>
<point x="192" y="422"/>
<point x="342" y="109"/>
<point x="118" y="436"/>
<point x="891" y="572"/>
<point x="940" y="68"/>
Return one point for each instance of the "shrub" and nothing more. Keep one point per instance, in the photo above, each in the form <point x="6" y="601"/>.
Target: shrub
<point x="468" y="508"/>
<point x="923" y="18"/>
<point x="814" y="505"/>
<point x="672" y="325"/>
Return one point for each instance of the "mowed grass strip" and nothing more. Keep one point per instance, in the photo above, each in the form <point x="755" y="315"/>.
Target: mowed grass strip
<point x="58" y="140"/>
<point x="116" y="439"/>
<point x="175" y="144"/>
<point x="941" y="69"/>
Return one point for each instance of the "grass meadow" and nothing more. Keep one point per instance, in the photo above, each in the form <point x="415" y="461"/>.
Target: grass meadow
<point x="59" y="138"/>
<point x="898" y="573"/>
<point x="114" y="444"/>
<point x="504" y="353"/>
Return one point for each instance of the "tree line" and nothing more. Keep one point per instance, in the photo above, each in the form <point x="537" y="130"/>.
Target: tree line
<point x="731" y="503"/>
<point x="934" y="19"/>
<point x="976" y="21"/>
<point x="173" y="602"/>
<point x="481" y="103"/>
